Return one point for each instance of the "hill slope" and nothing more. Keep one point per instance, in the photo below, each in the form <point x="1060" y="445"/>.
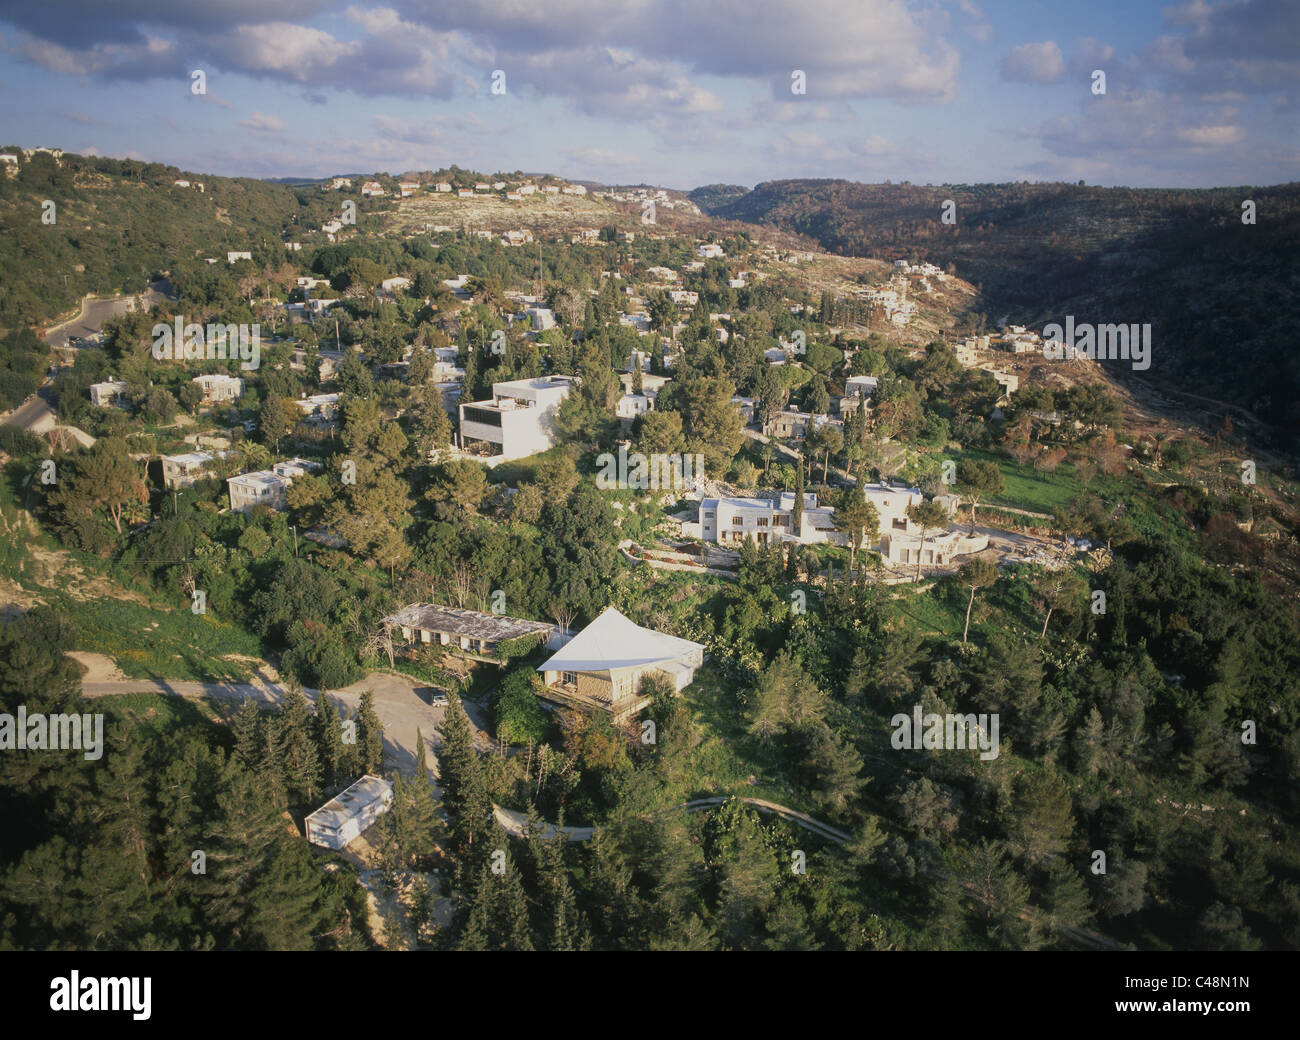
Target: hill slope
<point x="1221" y="296"/>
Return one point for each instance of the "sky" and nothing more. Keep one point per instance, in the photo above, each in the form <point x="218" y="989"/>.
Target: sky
<point x="677" y="93"/>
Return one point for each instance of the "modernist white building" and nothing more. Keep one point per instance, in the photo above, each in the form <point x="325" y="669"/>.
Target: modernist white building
<point x="349" y="813"/>
<point x="729" y="521"/>
<point x="602" y="666"/>
<point x="518" y="421"/>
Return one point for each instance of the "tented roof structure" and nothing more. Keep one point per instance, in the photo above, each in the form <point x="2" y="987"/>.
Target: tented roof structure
<point x="613" y="642"/>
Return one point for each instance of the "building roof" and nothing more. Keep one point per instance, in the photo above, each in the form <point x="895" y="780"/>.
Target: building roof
<point x="458" y="622"/>
<point x="613" y="641"/>
<point x="347" y="804"/>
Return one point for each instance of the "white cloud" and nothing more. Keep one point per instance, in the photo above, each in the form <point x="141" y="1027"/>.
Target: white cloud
<point x="264" y="123"/>
<point x="1034" y="63"/>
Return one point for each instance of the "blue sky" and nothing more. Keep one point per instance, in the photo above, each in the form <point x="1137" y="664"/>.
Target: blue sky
<point x="671" y="92"/>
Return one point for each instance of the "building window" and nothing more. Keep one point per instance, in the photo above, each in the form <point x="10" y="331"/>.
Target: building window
<point x="708" y="516"/>
<point x="569" y="677"/>
<point x="737" y="522"/>
<point x="762" y="521"/>
<point x="900" y="523"/>
<point x="483" y="416"/>
<point x="780" y="520"/>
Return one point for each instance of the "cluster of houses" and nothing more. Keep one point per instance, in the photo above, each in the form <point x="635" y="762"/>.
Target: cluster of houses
<point x="217" y="388"/>
<point x="660" y="198"/>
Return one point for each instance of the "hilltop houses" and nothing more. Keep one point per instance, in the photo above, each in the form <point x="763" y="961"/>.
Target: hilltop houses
<point x="601" y="668"/>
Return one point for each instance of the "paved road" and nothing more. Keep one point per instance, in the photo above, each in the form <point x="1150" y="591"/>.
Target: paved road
<point x="35" y="415"/>
<point x="95" y="312"/>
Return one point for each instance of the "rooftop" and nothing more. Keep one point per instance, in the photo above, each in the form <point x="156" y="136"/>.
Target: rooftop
<point x="459" y="622"/>
<point x="614" y="641"/>
<point x="346" y="804"/>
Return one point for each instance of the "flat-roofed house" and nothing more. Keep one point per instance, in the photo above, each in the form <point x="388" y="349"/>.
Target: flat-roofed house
<point x="181" y="471"/>
<point x="601" y="668"/>
<point x="108" y="394"/>
<point x="267" y="487"/>
<point x="219" y="387"/>
<point x="472" y="630"/>
<point x="518" y="421"/>
<point x="336" y="823"/>
<point x="730" y="521"/>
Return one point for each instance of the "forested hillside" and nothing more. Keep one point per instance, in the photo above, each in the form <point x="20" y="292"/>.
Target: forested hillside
<point x="1219" y="293"/>
<point x="117" y="222"/>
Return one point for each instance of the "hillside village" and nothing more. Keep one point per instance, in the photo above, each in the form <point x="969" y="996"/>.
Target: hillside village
<point x="422" y="508"/>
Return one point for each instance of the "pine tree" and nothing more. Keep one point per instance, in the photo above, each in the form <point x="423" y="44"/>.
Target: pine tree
<point x="270" y="766"/>
<point x="248" y="737"/>
<point x="329" y="742"/>
<point x="302" y="770"/>
<point x="370" y="735"/>
<point x="464" y="782"/>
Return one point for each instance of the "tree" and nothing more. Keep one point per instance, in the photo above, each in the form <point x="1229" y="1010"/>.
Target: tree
<point x="977" y="573"/>
<point x="980" y="479"/>
<point x="104" y="478"/>
<point x="1060" y="589"/>
<point x="329" y="742"/>
<point x="928" y="516"/>
<point x="370" y="735"/>
<point x="859" y="519"/>
<point x="302" y="771"/>
<point x="464" y="784"/>
<point x="272" y="421"/>
<point x="832" y="443"/>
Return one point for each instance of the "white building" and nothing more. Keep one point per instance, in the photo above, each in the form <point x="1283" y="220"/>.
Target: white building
<point x="729" y="521"/>
<point x="180" y="471"/>
<point x="518" y="421"/>
<point x="266" y="487"/>
<point x="323" y="405"/>
<point x="601" y="668"/>
<point x="349" y="813"/>
<point x="235" y="256"/>
<point x="219" y="387"/>
<point x="542" y="318"/>
<point x="108" y="394"/>
<point x="709" y="251"/>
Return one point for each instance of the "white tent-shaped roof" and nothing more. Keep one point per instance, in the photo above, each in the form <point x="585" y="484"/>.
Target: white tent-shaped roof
<point x="613" y="642"/>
